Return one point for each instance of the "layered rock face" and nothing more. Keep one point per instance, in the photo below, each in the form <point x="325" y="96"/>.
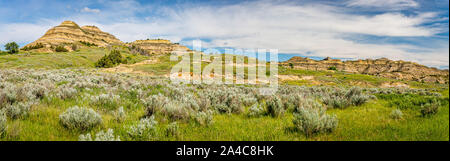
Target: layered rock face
<point x="158" y="46"/>
<point x="69" y="32"/>
<point x="383" y="67"/>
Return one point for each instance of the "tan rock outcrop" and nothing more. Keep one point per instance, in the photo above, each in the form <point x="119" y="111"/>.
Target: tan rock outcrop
<point x="158" y="46"/>
<point x="383" y="67"/>
<point x="68" y="32"/>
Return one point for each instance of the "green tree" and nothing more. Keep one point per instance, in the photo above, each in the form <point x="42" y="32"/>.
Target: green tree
<point x="112" y="59"/>
<point x="12" y="47"/>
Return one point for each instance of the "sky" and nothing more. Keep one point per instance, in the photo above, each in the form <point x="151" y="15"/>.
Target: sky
<point x="412" y="30"/>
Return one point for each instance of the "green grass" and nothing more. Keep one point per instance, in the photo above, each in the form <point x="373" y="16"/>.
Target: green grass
<point x="84" y="58"/>
<point x="369" y="122"/>
<point x="163" y="67"/>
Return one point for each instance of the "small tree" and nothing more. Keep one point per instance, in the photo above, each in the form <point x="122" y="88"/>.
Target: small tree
<point x="111" y="60"/>
<point x="61" y="49"/>
<point x="12" y="47"/>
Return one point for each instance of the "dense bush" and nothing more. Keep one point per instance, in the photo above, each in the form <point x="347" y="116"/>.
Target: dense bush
<point x="176" y="111"/>
<point x="12" y="47"/>
<point x="154" y="104"/>
<point x="396" y="114"/>
<point x="119" y="115"/>
<point x="340" y="98"/>
<point x="112" y="59"/>
<point x="66" y="92"/>
<point x="18" y="110"/>
<point x="37" y="46"/>
<point x="80" y="118"/>
<point x="3" y="120"/>
<point x="256" y="110"/>
<point x="204" y="118"/>
<point x="172" y="129"/>
<point x="61" y="49"/>
<point x="332" y="68"/>
<point x="88" y="43"/>
<point x="144" y="130"/>
<point x="311" y="121"/>
<point x="109" y="101"/>
<point x="275" y="107"/>
<point x="100" y="136"/>
<point x="429" y="109"/>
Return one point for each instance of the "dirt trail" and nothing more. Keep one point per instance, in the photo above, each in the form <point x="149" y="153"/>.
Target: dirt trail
<point x="128" y="68"/>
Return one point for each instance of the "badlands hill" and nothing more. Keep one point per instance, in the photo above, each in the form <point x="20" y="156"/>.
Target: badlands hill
<point x="68" y="33"/>
<point x="157" y="46"/>
<point x="401" y="70"/>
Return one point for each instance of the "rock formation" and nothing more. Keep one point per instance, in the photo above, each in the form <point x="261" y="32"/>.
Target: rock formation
<point x="157" y="46"/>
<point x="383" y="67"/>
<point x="68" y="33"/>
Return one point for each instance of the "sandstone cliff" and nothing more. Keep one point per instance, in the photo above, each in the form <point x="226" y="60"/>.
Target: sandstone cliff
<point x="157" y="46"/>
<point x="68" y="33"/>
<point x="383" y="67"/>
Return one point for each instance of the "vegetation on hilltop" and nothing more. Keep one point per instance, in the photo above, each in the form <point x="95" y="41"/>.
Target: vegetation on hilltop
<point x="112" y="59"/>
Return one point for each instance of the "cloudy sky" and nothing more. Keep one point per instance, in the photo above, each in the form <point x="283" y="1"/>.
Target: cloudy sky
<point x="414" y="30"/>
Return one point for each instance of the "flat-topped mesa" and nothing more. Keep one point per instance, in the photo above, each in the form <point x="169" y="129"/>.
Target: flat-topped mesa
<point x="402" y="70"/>
<point x="157" y="46"/>
<point x="68" y="33"/>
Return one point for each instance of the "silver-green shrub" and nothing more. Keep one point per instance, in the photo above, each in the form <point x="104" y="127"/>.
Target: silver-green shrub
<point x="18" y="110"/>
<point x="66" y="92"/>
<point x="275" y="106"/>
<point x="204" y="118"/>
<point x="108" y="101"/>
<point x="100" y="136"/>
<point x="430" y="109"/>
<point x="80" y="118"/>
<point x="256" y="110"/>
<point x="119" y="114"/>
<point x="3" y="120"/>
<point x="106" y="136"/>
<point x="172" y="129"/>
<point x="85" y="137"/>
<point x="311" y="121"/>
<point x="176" y="111"/>
<point x="396" y="114"/>
<point x="144" y="130"/>
<point x="154" y="103"/>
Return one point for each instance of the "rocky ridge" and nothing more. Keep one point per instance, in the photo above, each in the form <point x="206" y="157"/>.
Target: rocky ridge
<point x="383" y="67"/>
<point x="156" y="46"/>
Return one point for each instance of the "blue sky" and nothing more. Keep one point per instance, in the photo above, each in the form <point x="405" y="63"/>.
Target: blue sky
<point x="414" y="30"/>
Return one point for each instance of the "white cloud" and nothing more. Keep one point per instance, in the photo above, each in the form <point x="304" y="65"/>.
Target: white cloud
<point x="384" y="4"/>
<point x="291" y="28"/>
<point x="314" y="29"/>
<point x="22" y="32"/>
<point x="88" y="10"/>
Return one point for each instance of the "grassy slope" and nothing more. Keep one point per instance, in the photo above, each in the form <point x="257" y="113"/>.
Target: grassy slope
<point x="368" y="122"/>
<point x="84" y="58"/>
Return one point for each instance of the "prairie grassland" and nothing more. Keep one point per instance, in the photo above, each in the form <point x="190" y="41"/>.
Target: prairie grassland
<point x="83" y="58"/>
<point x="34" y="100"/>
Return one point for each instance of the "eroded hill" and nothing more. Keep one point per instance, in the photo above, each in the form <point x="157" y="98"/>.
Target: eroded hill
<point x="401" y="70"/>
<point x="68" y="33"/>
